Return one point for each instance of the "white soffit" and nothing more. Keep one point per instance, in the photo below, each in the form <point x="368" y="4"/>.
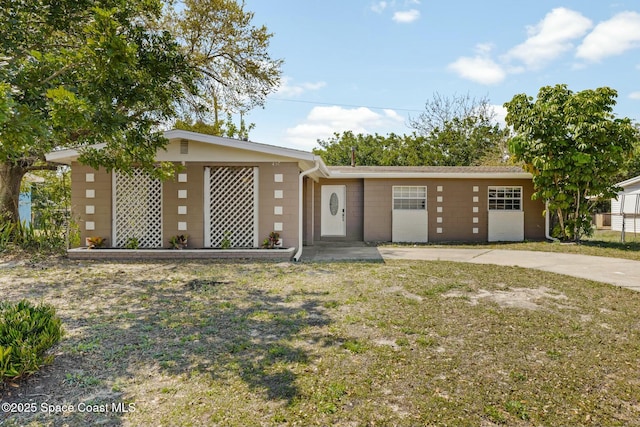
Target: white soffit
<point x="432" y="175"/>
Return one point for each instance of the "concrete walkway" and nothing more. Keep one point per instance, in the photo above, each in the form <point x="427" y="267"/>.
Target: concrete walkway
<point x="619" y="272"/>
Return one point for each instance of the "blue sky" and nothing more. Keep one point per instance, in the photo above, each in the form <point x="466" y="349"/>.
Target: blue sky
<point x="367" y="66"/>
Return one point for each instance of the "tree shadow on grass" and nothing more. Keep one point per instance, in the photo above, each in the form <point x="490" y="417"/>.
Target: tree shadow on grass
<point x="255" y="339"/>
<point x="209" y="327"/>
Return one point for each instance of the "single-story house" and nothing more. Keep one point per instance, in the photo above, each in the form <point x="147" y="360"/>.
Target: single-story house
<point x="625" y="208"/>
<point x="235" y="193"/>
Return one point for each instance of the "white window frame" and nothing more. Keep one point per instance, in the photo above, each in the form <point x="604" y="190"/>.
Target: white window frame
<point x="409" y="197"/>
<point x="505" y="198"/>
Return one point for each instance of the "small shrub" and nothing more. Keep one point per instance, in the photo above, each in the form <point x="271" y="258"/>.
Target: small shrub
<point x="26" y="333"/>
<point x="28" y="238"/>
<point x="272" y="241"/>
<point x="51" y="238"/>
<point x="132" y="243"/>
<point x="7" y="231"/>
<point x="96" y="242"/>
<point x="226" y="241"/>
<point x="179" y="242"/>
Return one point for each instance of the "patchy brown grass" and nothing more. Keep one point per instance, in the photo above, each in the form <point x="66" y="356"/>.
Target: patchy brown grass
<point x="399" y="343"/>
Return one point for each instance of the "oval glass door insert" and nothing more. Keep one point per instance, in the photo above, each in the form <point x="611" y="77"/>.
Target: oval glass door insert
<point x="333" y="204"/>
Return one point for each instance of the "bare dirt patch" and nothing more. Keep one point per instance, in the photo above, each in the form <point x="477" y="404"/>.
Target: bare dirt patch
<point x="528" y="298"/>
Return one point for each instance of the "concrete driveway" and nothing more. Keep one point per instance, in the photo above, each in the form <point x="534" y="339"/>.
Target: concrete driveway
<point x="619" y="272"/>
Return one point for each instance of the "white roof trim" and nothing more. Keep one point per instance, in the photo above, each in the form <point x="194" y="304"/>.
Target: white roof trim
<point x="628" y="182"/>
<point x="439" y="175"/>
<point x="68" y="155"/>
<point x="243" y="145"/>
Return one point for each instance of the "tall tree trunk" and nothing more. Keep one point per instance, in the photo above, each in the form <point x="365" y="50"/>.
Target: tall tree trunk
<point x="561" y="221"/>
<point x="10" y="178"/>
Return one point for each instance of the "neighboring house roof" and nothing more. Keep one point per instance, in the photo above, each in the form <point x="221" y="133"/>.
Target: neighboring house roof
<point x="33" y="178"/>
<point x="504" y="172"/>
<point x="629" y="182"/>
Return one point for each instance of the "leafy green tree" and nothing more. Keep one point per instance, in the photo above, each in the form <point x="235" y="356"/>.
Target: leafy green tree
<point x="235" y="70"/>
<point x="460" y="131"/>
<point x="371" y="150"/>
<point x="219" y="128"/>
<point x="51" y="210"/>
<point x="452" y="131"/>
<point x="574" y="145"/>
<point x="79" y="72"/>
<point x="632" y="164"/>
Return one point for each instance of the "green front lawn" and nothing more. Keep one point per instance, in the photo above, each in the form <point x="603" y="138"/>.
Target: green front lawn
<point x="396" y="343"/>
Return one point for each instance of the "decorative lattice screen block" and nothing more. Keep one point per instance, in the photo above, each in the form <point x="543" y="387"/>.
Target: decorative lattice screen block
<point x="231" y="199"/>
<point x="138" y="209"/>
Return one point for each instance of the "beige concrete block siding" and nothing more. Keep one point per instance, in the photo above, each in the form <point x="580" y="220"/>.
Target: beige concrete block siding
<point x="101" y="202"/>
<point x="194" y="202"/>
<point x="266" y="202"/>
<point x="289" y="201"/>
<point x="354" y="207"/>
<point x="457" y="208"/>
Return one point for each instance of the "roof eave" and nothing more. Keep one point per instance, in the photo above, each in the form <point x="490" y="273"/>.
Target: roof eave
<point x="66" y="156"/>
<point x="240" y="144"/>
<point x="432" y="175"/>
<point x="628" y="182"/>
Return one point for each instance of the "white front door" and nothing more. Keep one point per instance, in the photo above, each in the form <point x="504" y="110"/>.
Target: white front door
<point x="333" y="216"/>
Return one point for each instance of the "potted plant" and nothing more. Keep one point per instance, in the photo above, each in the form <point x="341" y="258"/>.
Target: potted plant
<point x="272" y="241"/>
<point x="96" y="242"/>
<point x="179" y="241"/>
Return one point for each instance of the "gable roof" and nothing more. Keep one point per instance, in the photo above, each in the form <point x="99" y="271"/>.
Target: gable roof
<point x="306" y="160"/>
<point x="241" y="145"/>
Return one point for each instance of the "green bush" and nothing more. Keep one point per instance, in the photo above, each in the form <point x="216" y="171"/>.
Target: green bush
<point x="7" y="231"/>
<point x="28" y="238"/>
<point x="27" y="331"/>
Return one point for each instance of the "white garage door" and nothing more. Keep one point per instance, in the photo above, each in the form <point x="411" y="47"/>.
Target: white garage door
<point x="410" y="220"/>
<point x="506" y="217"/>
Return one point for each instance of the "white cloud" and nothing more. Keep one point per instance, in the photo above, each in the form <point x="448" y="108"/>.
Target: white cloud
<point x="379" y="7"/>
<point x="611" y="37"/>
<point x="480" y="68"/>
<point x="403" y="12"/>
<point x="501" y="114"/>
<point x="635" y="95"/>
<point x="406" y="16"/>
<point x="291" y="90"/>
<point x="550" y="37"/>
<point x="323" y="122"/>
